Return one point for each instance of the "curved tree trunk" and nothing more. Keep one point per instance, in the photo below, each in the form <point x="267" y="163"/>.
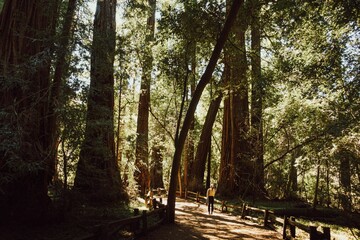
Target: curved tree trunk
<point x="26" y="154"/>
<point x="97" y="176"/>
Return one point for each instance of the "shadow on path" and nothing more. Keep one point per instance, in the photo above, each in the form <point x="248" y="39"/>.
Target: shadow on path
<point x="193" y="222"/>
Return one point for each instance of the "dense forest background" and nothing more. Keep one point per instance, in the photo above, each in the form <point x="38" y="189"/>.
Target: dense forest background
<point x="95" y="97"/>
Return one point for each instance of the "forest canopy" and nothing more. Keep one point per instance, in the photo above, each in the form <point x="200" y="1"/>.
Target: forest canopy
<point x="94" y="97"/>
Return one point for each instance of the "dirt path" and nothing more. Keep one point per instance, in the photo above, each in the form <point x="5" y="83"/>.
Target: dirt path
<point x="193" y="222"/>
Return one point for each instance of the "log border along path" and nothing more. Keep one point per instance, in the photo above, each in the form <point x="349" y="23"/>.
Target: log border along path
<point x="193" y="222"/>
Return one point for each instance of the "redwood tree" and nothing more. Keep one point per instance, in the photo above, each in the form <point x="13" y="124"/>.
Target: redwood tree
<point x="26" y="138"/>
<point x="257" y="92"/>
<point x="236" y="170"/>
<point x="97" y="177"/>
<point x="142" y="145"/>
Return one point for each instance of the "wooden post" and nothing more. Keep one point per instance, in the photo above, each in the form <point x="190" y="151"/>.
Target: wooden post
<point x="136" y="211"/>
<point x="292" y="227"/>
<point x="326" y="231"/>
<point x="197" y="196"/>
<point x="144" y="221"/>
<point x="135" y="225"/>
<point x="284" y="227"/>
<point x="266" y="216"/>
<point x="185" y="194"/>
<point x="103" y="232"/>
<point x="162" y="212"/>
<point x="313" y="233"/>
<point x="243" y="212"/>
<point x="154" y="203"/>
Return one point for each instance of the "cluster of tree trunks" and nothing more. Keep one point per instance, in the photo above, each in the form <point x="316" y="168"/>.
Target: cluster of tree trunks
<point x="30" y="96"/>
<point x="205" y="79"/>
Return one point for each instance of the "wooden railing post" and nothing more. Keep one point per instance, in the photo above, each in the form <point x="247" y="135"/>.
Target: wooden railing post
<point x="313" y="233"/>
<point x="284" y="226"/>
<point x="135" y="225"/>
<point x="197" y="196"/>
<point x="223" y="205"/>
<point x="154" y="203"/>
<point x="266" y="217"/>
<point x="144" y="221"/>
<point x="326" y="231"/>
<point x="185" y="195"/>
<point x="292" y="227"/>
<point x="243" y="212"/>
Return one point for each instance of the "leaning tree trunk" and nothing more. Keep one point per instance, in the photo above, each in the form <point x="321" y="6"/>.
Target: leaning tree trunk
<point x="26" y="148"/>
<point x="97" y="176"/>
<point x="141" y="174"/>
<point x="205" y="79"/>
<point x="197" y="178"/>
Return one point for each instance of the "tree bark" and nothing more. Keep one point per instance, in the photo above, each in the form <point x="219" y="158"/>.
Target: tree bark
<point x="141" y="174"/>
<point x="157" y="168"/>
<point x="192" y="107"/>
<point x="257" y="92"/>
<point x="345" y="179"/>
<point x="98" y="177"/>
<point x="236" y="169"/>
<point x="26" y="47"/>
<point x="197" y="178"/>
<point x="316" y="188"/>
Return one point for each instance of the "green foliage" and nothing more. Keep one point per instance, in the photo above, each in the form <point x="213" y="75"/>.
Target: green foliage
<point x="311" y="99"/>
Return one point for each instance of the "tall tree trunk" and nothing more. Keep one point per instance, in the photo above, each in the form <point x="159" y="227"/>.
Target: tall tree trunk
<point x="205" y="79"/>
<point x="190" y="60"/>
<point x="345" y="179"/>
<point x="236" y="169"/>
<point x="141" y="175"/>
<point x="27" y="164"/>
<point x="157" y="167"/>
<point x="226" y="170"/>
<point x="61" y="66"/>
<point x="316" y="189"/>
<point x="97" y="176"/>
<point x="257" y="92"/>
<point x="189" y="158"/>
<point x="291" y="187"/>
<point x="208" y="175"/>
<point x="197" y="178"/>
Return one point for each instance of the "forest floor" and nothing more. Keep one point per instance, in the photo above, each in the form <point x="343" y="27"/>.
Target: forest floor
<point x="193" y="222"/>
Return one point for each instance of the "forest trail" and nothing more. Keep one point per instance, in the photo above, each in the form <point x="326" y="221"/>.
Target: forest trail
<point x="193" y="222"/>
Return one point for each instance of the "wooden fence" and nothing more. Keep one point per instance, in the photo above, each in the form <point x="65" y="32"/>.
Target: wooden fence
<point x="289" y="222"/>
<point x="267" y="217"/>
<point x="137" y="225"/>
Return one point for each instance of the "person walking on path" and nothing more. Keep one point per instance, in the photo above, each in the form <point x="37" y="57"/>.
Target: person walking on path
<point x="210" y="194"/>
